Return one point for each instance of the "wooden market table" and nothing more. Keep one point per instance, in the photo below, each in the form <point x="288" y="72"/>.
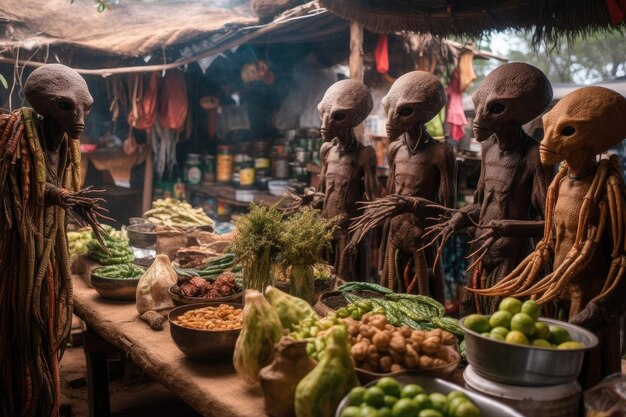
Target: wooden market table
<point x="211" y="389"/>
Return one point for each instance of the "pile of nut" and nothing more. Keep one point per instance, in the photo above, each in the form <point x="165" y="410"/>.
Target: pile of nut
<point x="377" y="346"/>
<point x="222" y="317"/>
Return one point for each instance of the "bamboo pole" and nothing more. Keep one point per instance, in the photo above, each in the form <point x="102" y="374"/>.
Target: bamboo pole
<point x="148" y="178"/>
<point x="356" y="63"/>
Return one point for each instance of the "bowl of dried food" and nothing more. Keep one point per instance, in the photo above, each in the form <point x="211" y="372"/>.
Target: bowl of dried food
<point x="196" y="290"/>
<point x="117" y="282"/>
<point x="206" y="332"/>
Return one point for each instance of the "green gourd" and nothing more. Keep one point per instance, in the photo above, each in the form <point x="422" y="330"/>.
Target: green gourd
<point x="319" y="393"/>
<point x="260" y="332"/>
<point x="291" y="310"/>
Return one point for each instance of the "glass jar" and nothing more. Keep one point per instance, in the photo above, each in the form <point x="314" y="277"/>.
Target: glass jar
<point x="224" y="163"/>
<point x="246" y="174"/>
<point x="193" y="169"/>
<point x="208" y="171"/>
<point x="180" y="190"/>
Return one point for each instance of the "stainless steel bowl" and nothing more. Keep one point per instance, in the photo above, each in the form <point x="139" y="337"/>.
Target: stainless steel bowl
<point x="203" y="345"/>
<point x="527" y="365"/>
<point x="142" y="235"/>
<point x="487" y="406"/>
<point x="114" y="288"/>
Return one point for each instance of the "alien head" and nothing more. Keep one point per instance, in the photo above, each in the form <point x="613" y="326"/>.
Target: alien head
<point x="60" y="94"/>
<point x="510" y="96"/>
<point x="413" y="99"/>
<point x="589" y="120"/>
<point x="345" y="105"/>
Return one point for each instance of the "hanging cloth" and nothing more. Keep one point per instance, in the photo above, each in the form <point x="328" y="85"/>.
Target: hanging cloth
<point x="382" y="54"/>
<point x="617" y="10"/>
<point x="173" y="105"/>
<point x="466" y="69"/>
<point x="455" y="117"/>
<point x="143" y="113"/>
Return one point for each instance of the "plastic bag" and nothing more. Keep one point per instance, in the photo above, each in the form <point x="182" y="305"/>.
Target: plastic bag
<point x="153" y="285"/>
<point x="607" y="399"/>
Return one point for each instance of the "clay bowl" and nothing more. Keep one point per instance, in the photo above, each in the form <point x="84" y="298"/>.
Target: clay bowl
<point x="119" y="289"/>
<point x="209" y="346"/>
<point x="180" y="300"/>
<point x="333" y="300"/>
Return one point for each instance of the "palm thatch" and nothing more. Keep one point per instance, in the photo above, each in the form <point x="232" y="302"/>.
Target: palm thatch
<point x="550" y="20"/>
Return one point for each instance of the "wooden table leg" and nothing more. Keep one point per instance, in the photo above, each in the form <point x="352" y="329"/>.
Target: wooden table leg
<point x="96" y="349"/>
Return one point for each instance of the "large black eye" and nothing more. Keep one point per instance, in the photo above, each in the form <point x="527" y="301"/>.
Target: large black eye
<point x="88" y="108"/>
<point x="406" y="111"/>
<point x="568" y="131"/>
<point x="496" y="108"/>
<point x="65" y="105"/>
<point x="339" y="116"/>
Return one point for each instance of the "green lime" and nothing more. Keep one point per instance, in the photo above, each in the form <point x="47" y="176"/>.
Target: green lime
<point x="356" y="396"/>
<point x="531" y="308"/>
<point x="467" y="409"/>
<point x="497" y="336"/>
<point x="389" y="386"/>
<point x="542" y="331"/>
<point x="351" y="411"/>
<point x="453" y="394"/>
<point x="524" y="323"/>
<point x="411" y="391"/>
<point x="454" y="403"/>
<point x="385" y="412"/>
<point x="541" y="343"/>
<point x="367" y="411"/>
<point x="570" y="345"/>
<point x="516" y="337"/>
<point x="430" y="413"/>
<point x="423" y="401"/>
<point x="405" y="407"/>
<point x="510" y="304"/>
<point x="500" y="319"/>
<point x="375" y="397"/>
<point x="477" y="323"/>
<point x="390" y="400"/>
<point x="502" y="331"/>
<point x="439" y="401"/>
<point x="558" y="335"/>
<point x="486" y="334"/>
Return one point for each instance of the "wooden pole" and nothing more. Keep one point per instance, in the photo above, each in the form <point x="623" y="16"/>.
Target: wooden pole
<point x="356" y="63"/>
<point x="148" y="178"/>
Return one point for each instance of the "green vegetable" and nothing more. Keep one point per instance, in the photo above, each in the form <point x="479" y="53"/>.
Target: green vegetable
<point x="291" y="310"/>
<point x="261" y="330"/>
<point x="318" y="394"/>
<point x="364" y="286"/>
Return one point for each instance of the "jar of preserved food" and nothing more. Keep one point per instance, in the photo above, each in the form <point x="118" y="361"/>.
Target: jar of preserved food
<point x="208" y="171"/>
<point x="246" y="174"/>
<point x="224" y="163"/>
<point x="193" y="169"/>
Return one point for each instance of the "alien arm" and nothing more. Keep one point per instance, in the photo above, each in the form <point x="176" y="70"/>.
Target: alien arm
<point x="370" y="177"/>
<point x="324" y="150"/>
<point x="447" y="177"/>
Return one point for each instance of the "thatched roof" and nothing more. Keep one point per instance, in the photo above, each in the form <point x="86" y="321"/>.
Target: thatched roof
<point x="127" y="29"/>
<point x="551" y="20"/>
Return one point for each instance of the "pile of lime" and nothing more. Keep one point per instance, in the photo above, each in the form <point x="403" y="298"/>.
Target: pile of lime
<point x="516" y="322"/>
<point x="388" y="398"/>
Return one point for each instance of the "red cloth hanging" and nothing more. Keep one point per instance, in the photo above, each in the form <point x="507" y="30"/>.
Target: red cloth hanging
<point x="143" y="115"/>
<point x="382" y="54"/>
<point x="617" y="10"/>
<point x="173" y="105"/>
<point x="455" y="117"/>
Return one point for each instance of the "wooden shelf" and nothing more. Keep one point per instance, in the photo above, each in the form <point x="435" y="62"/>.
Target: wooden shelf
<point x="227" y="194"/>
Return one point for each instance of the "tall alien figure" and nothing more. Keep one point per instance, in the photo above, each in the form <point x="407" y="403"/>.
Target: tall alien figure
<point x="39" y="162"/>
<point x="512" y="184"/>
<point x="584" y="238"/>
<point x="419" y="166"/>
<point x="348" y="171"/>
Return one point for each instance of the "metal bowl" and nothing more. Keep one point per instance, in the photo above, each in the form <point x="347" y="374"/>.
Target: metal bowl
<point x="203" y="345"/>
<point x="142" y="235"/>
<point x="487" y="406"/>
<point x="180" y="300"/>
<point x="114" y="288"/>
<point x="530" y="366"/>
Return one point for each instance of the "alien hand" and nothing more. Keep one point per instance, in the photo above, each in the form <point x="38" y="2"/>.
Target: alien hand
<point x="591" y="317"/>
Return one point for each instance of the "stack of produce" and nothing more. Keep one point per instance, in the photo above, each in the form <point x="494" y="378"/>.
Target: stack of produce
<point x="120" y="271"/>
<point x="77" y="242"/>
<point x="222" y="317"/>
<point x="389" y="398"/>
<point x="377" y="346"/>
<point x="116" y="243"/>
<point x="223" y="286"/>
<point x="195" y="256"/>
<point x="211" y="268"/>
<point x="516" y="322"/>
<point x="175" y="213"/>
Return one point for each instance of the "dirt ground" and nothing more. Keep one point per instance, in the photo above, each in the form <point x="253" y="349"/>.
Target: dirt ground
<point x="132" y="394"/>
